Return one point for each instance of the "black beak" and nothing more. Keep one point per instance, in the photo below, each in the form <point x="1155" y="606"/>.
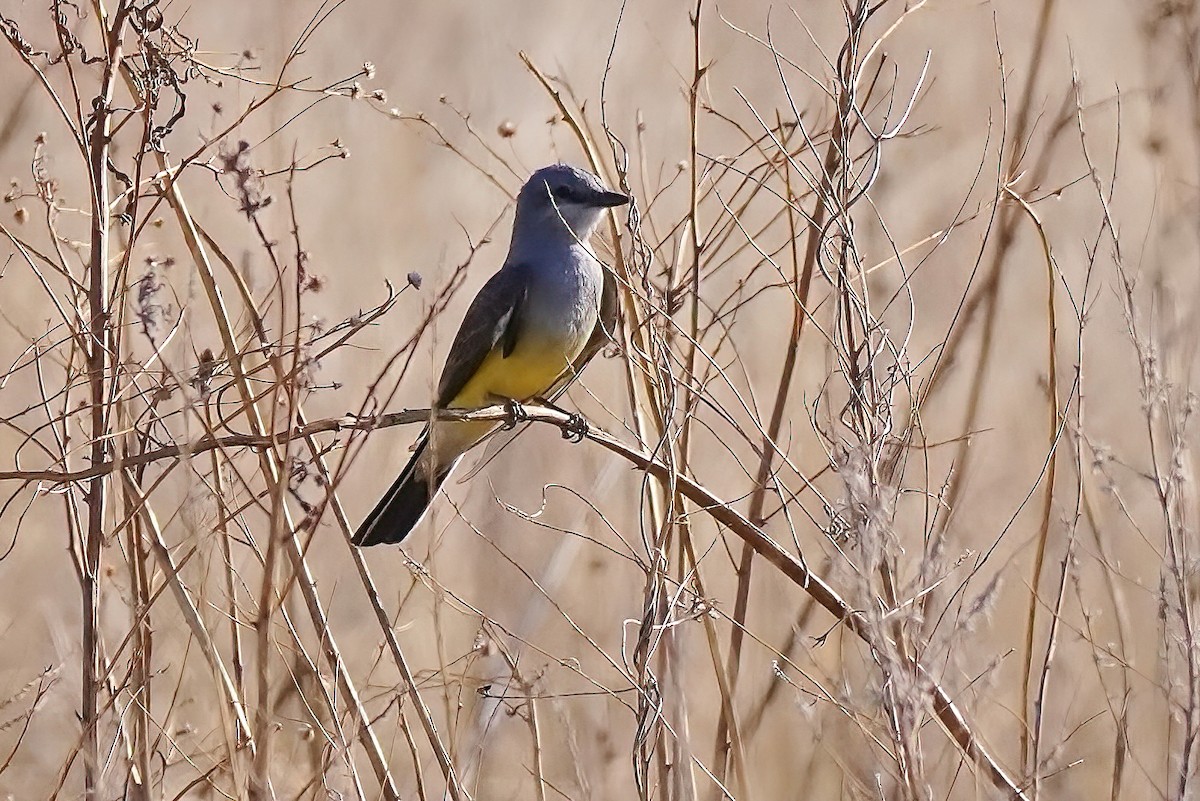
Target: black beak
<point x="608" y="200"/>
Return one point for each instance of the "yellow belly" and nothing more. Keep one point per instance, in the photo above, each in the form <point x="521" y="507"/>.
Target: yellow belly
<point x="528" y="371"/>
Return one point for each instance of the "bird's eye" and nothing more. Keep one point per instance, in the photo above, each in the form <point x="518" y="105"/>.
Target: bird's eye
<point x="561" y="192"/>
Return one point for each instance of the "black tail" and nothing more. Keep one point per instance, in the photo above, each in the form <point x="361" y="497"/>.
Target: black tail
<point x="399" y="511"/>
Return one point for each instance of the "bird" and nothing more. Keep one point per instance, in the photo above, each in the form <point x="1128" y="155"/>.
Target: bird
<point x="527" y="333"/>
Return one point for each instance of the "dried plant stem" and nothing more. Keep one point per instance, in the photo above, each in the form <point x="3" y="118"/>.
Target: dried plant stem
<point x="682" y="783"/>
<point x="408" y="680"/>
<point x="272" y="469"/>
<point x="645" y="363"/>
<point x="647" y="417"/>
<point x="191" y="614"/>
<point x="99" y="358"/>
<point x="988" y="295"/>
<point x="802" y="278"/>
<point x="944" y="708"/>
<point x="1057" y="415"/>
<point x="159" y="412"/>
<point x="213" y="442"/>
<point x="308" y="589"/>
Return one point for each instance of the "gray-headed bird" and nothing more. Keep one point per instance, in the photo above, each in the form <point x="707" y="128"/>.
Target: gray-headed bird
<point x="527" y="332"/>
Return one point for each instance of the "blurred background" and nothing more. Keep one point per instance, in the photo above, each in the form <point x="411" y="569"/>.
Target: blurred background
<point x="1065" y="120"/>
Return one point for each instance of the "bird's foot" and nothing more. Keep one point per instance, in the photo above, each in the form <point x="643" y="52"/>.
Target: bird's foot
<point x="576" y="428"/>
<point x="516" y="414"/>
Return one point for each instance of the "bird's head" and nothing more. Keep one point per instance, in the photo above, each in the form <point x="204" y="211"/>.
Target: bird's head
<point x="561" y="194"/>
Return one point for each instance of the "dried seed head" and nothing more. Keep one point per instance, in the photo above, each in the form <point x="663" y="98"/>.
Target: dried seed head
<point x="368" y="69"/>
<point x="483" y="644"/>
<point x="414" y="279"/>
<point x="507" y="129"/>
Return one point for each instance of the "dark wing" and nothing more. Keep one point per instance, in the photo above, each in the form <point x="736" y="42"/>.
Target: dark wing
<point x="492" y="319"/>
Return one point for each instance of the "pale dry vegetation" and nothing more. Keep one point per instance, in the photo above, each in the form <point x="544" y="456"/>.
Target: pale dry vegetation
<point x="887" y="490"/>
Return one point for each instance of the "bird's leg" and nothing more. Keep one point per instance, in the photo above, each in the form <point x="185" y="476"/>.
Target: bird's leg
<point x="576" y="427"/>
<point x="516" y="414"/>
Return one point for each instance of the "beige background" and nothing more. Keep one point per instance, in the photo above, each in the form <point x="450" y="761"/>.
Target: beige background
<point x="402" y="203"/>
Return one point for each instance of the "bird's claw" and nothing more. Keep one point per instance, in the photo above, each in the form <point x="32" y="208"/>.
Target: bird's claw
<point x="576" y="428"/>
<point x="516" y="414"/>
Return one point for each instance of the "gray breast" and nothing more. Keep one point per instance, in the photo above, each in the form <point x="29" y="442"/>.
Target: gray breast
<point x="564" y="299"/>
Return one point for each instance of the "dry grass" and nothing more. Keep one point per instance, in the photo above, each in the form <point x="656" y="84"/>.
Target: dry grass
<point x="887" y="490"/>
